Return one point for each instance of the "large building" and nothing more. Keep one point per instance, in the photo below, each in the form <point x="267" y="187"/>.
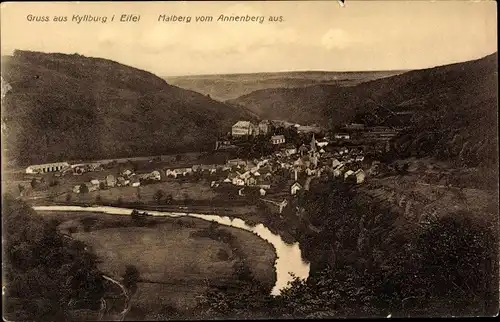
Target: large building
<point x="243" y="128"/>
<point x="48" y="167"/>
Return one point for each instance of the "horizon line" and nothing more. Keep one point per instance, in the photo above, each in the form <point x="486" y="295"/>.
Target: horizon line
<point x="250" y="73"/>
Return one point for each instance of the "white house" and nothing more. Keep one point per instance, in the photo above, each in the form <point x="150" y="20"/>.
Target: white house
<point x="360" y="158"/>
<point x="277" y="139"/>
<point x="262" y="192"/>
<point x="49" y="167"/>
<point x="282" y="205"/>
<point x="338" y="171"/>
<point x="243" y="128"/>
<point x="310" y="172"/>
<point x="110" y="180"/>
<point x="155" y="175"/>
<point x="238" y="181"/>
<point x="94" y="182"/>
<point x="335" y="163"/>
<point x="127" y="173"/>
<point x="342" y="136"/>
<point x="348" y="173"/>
<point x="360" y="176"/>
<point x="295" y="188"/>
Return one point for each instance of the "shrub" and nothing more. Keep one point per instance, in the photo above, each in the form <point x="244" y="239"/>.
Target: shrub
<point x="158" y="196"/>
<point x="222" y="255"/>
<point x="84" y="188"/>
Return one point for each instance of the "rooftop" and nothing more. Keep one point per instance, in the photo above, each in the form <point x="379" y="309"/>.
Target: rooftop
<point x="242" y="123"/>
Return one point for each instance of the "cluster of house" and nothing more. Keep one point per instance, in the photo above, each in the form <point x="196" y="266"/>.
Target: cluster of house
<point x="125" y="179"/>
<point x="299" y="164"/>
<point x="265" y="127"/>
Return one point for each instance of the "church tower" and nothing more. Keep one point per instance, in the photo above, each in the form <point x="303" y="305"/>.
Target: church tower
<point x="313" y="152"/>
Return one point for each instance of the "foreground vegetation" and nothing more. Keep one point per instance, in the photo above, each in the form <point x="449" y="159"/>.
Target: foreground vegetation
<point x="368" y="261"/>
<point x="43" y="273"/>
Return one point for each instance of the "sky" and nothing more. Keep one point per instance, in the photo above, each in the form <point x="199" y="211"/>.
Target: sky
<point x="314" y="35"/>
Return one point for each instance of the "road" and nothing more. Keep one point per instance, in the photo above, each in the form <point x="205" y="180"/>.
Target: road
<point x="125" y="293"/>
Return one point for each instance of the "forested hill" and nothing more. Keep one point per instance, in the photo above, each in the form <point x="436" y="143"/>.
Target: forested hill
<point x="225" y="87"/>
<point x="436" y="87"/>
<point x="64" y="107"/>
<point x="451" y="104"/>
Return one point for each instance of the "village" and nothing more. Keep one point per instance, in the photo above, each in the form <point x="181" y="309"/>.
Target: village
<point x="289" y="164"/>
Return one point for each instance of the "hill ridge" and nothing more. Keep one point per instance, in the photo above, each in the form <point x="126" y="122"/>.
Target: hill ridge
<point x="67" y="106"/>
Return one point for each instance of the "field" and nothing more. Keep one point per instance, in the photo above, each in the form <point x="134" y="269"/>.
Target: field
<point x="174" y="265"/>
<point x="196" y="191"/>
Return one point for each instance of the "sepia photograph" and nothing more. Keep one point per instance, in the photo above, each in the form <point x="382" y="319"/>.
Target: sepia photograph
<point x="208" y="160"/>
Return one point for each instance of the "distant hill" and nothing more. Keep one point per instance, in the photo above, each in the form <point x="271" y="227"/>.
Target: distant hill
<point x="231" y="86"/>
<point x="447" y="106"/>
<point x="64" y="107"/>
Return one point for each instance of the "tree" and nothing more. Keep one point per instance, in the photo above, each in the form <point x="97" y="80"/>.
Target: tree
<point x="42" y="272"/>
<point x="68" y="197"/>
<point x="102" y="185"/>
<point x="456" y="262"/>
<point x="158" y="196"/>
<point x="84" y="188"/>
<point x="130" y="278"/>
<point x="169" y="199"/>
<point x="21" y="188"/>
<point x="34" y="183"/>
<point x="138" y="218"/>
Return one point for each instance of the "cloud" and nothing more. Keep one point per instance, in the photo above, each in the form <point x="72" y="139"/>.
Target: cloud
<point x="337" y="39"/>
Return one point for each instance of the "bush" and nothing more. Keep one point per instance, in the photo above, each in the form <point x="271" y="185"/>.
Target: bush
<point x="84" y="188"/>
<point x="222" y="255"/>
<point x="169" y="199"/>
<point x="41" y="269"/>
<point x="130" y="278"/>
<point x="158" y="196"/>
<point x="88" y="223"/>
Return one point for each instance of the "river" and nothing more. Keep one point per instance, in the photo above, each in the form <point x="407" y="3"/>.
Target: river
<point x="289" y="257"/>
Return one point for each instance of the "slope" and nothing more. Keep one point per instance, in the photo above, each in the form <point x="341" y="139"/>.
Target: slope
<point x="230" y="86"/>
<point x="74" y="107"/>
<point x="446" y="106"/>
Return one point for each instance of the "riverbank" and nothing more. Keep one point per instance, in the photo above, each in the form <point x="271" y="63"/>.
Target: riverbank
<point x="176" y="264"/>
